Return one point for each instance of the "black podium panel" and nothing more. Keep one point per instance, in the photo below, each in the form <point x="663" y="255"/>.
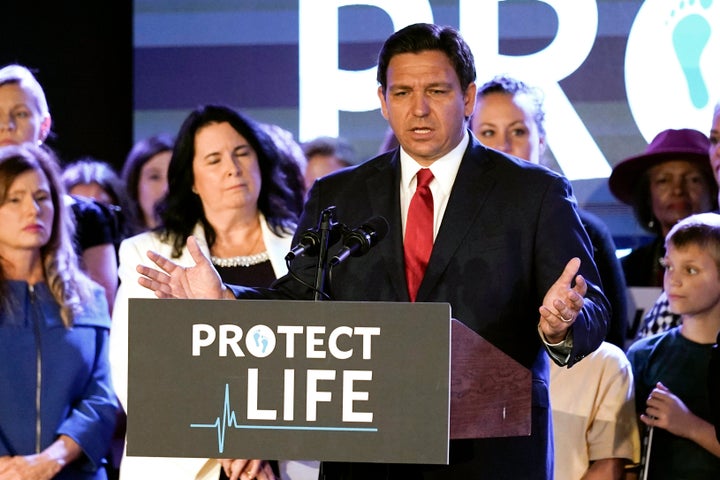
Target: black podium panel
<point x="340" y="381"/>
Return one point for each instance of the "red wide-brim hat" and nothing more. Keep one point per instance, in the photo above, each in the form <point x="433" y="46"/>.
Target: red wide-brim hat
<point x="684" y="144"/>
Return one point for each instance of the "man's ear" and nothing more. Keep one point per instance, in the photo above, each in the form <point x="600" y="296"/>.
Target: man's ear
<point x="469" y="100"/>
<point x="383" y="105"/>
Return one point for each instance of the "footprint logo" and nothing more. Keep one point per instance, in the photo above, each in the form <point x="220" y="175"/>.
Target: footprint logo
<point x="260" y="341"/>
<point x="690" y="36"/>
<point x="671" y="53"/>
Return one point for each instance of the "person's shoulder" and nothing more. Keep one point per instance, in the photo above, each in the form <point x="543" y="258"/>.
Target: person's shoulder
<point x="479" y="152"/>
<point x="145" y="236"/>
<point x="96" y="223"/>
<point x="643" y="251"/>
<point x="381" y="161"/>
<point x="647" y="344"/>
<point x="511" y="166"/>
<point x="610" y="353"/>
<point x="599" y="233"/>
<point x="149" y="240"/>
<point x="88" y="210"/>
<point x="640" y="259"/>
<point x="591" y="220"/>
<point x="95" y="311"/>
<point x="360" y="172"/>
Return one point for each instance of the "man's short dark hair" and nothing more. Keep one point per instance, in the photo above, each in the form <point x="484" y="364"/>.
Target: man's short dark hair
<point x="422" y="37"/>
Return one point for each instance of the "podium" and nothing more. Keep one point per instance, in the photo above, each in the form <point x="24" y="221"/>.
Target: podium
<point x="336" y="381"/>
<point x="490" y="392"/>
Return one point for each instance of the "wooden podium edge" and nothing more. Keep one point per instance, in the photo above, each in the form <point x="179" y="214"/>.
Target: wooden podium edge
<point x="490" y="393"/>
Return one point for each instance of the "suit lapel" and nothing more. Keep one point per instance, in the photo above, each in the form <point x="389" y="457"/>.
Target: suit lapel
<point x="383" y="191"/>
<point x="472" y="186"/>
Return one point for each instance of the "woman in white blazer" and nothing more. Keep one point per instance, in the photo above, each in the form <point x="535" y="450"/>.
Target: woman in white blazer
<point x="228" y="185"/>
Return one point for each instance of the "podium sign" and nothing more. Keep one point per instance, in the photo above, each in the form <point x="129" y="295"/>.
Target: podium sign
<point x="333" y="381"/>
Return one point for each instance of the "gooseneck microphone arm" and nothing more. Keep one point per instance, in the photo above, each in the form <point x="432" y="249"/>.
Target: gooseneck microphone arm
<point x="317" y="242"/>
<point x="325" y="226"/>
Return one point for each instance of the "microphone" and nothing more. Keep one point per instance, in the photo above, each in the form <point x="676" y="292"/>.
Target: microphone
<point x="311" y="239"/>
<point x="309" y="242"/>
<point x="359" y="241"/>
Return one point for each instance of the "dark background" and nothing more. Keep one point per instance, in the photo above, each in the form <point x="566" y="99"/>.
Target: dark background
<point x="81" y="52"/>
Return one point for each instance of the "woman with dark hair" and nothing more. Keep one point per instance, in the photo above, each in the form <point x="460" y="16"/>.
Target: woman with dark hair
<point x="58" y="408"/>
<point x="227" y="186"/>
<point x="97" y="180"/>
<point x="294" y="159"/>
<point x="145" y="177"/>
<point x="92" y="178"/>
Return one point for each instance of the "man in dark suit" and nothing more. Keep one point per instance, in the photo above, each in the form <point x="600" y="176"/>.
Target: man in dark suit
<point x="509" y="252"/>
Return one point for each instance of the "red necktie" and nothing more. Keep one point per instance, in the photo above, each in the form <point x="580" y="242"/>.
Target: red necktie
<point x="419" y="232"/>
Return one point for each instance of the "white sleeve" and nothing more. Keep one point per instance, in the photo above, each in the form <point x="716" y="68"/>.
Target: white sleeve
<point x="132" y="252"/>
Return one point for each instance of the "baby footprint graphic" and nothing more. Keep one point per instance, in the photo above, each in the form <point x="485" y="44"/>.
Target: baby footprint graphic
<point x="260" y="339"/>
<point x="690" y="36"/>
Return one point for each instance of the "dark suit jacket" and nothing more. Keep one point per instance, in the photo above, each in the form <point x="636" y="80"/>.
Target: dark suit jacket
<point x="642" y="266"/>
<point x="508" y="231"/>
<point x="611" y="274"/>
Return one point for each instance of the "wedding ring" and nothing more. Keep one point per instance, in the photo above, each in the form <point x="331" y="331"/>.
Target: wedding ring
<point x="566" y="320"/>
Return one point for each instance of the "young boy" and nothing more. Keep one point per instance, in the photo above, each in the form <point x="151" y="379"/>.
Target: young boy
<point x="671" y="368"/>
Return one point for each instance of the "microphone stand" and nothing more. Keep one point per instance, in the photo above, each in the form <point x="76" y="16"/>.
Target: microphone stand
<point x="327" y="220"/>
<point x="645" y="458"/>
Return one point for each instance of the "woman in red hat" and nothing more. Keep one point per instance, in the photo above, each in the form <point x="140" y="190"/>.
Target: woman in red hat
<point x="671" y="180"/>
<point x="659" y="318"/>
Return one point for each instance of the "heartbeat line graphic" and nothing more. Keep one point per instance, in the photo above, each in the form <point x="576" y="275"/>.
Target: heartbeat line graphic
<point x="228" y="419"/>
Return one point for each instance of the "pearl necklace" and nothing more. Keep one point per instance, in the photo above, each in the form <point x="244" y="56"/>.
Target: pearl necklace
<point x="241" y="260"/>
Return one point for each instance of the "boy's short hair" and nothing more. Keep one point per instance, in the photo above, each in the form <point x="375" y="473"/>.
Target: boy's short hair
<point x="701" y="229"/>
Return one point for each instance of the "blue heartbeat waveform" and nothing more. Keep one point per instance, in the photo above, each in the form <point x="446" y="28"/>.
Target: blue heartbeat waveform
<point x="228" y="419"/>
